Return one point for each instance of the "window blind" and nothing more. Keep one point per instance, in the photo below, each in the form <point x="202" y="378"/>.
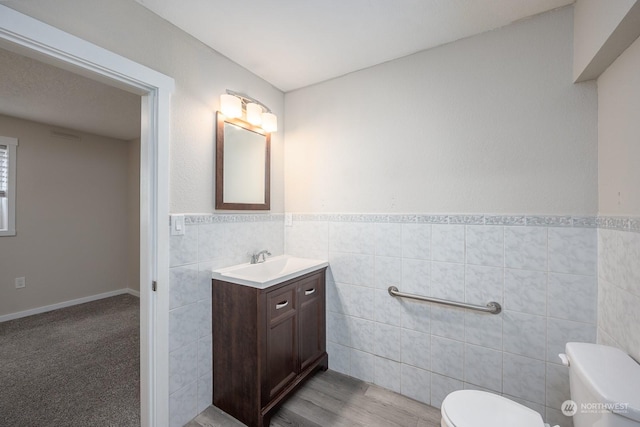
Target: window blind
<point x="4" y="170"/>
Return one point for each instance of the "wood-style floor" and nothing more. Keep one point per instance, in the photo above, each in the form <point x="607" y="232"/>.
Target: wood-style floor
<point x="330" y="399"/>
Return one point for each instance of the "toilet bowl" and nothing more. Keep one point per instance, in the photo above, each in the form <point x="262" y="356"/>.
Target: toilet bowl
<point x="472" y="408"/>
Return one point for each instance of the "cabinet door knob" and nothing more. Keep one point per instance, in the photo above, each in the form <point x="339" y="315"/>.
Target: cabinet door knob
<point x="283" y="304"/>
<point x="309" y="291"/>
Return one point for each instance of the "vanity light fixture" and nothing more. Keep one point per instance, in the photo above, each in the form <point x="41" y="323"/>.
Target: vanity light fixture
<point x="233" y="104"/>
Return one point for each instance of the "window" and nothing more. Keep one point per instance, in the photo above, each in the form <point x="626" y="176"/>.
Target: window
<point x="8" y="186"/>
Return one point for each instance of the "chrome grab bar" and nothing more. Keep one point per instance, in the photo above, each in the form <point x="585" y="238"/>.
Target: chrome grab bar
<point x="491" y="307"/>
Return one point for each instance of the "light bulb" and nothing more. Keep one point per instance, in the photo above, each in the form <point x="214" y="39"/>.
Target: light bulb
<point x="230" y="105"/>
<point x="269" y="122"/>
<point x="254" y="113"/>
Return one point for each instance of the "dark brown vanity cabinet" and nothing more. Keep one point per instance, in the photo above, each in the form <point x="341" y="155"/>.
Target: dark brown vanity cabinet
<point x="265" y="343"/>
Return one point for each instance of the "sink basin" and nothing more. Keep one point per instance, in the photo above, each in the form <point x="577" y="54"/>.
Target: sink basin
<point x="273" y="271"/>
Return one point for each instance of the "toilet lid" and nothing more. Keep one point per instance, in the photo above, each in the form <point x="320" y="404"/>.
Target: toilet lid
<point x="472" y="408"/>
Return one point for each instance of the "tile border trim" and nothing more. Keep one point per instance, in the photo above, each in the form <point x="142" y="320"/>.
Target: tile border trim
<point x="471" y="219"/>
<point x="195" y="219"/>
<point x="621" y="223"/>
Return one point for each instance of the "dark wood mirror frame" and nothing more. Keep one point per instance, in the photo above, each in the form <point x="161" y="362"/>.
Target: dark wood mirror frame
<point x="221" y="119"/>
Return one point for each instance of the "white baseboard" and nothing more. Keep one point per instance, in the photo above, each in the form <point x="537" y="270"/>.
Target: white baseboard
<point x="133" y="292"/>
<point x="64" y="304"/>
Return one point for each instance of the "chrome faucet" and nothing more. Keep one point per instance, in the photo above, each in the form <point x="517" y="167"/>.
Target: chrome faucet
<point x="255" y="258"/>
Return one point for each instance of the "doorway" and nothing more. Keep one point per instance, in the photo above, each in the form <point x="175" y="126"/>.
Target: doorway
<point x="27" y="36"/>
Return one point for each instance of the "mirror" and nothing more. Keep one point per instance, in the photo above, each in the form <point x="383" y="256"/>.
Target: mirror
<point x="242" y="165"/>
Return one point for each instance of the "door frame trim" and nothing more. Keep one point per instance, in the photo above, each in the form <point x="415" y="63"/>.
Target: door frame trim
<point x="27" y="36"/>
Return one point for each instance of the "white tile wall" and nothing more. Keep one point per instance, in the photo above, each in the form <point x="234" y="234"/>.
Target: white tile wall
<point x="413" y="383"/>
<point x="485" y="245"/>
<point x="543" y="275"/>
<point x="183" y="367"/>
<point x="206" y="246"/>
<point x="416" y="241"/>
<point x="573" y="250"/>
<point x="557" y="385"/>
<point x="524" y="334"/>
<point x="526" y="248"/>
<point x="182" y="404"/>
<point x="541" y="269"/>
<point x="388" y="239"/>
<point x="483" y="367"/>
<point x="363" y="365"/>
<point x="440" y="387"/>
<point x="524" y="377"/>
<point x="447" y="357"/>
<point x="525" y="291"/>
<point x="484" y="330"/>
<point x="618" y="309"/>
<point x="572" y="297"/>
<point x="447" y="243"/>
<point x="415" y="276"/>
<point x="387" y="374"/>
<point x="416" y="349"/>
<point x="447" y="280"/>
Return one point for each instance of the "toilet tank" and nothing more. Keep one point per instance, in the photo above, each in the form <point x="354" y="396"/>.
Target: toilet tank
<point x="605" y="384"/>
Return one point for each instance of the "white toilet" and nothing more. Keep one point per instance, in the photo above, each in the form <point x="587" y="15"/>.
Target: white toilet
<point x="604" y="382"/>
<point x="472" y="408"/>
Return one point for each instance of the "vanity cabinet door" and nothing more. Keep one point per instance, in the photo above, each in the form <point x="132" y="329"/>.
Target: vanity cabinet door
<point x="282" y="339"/>
<point x="267" y="341"/>
<point x="311" y="320"/>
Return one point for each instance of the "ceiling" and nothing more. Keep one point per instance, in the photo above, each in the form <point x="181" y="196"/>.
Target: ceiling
<point x="296" y="43"/>
<point x="289" y="43"/>
<point x="33" y="90"/>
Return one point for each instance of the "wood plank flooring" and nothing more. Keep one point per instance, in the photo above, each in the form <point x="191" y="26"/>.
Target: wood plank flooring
<point x="330" y="399"/>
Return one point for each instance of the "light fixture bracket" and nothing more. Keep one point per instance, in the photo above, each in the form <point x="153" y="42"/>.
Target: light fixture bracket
<point x="245" y="99"/>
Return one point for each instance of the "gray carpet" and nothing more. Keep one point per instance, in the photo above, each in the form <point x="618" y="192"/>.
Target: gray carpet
<point x="77" y="366"/>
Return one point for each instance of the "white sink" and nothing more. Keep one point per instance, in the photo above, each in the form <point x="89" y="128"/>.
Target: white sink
<point x="273" y="271"/>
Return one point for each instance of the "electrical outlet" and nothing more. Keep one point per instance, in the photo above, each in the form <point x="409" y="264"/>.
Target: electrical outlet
<point x="20" y="282"/>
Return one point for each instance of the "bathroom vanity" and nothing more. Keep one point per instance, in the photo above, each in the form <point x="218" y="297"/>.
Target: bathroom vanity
<point x="268" y="334"/>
